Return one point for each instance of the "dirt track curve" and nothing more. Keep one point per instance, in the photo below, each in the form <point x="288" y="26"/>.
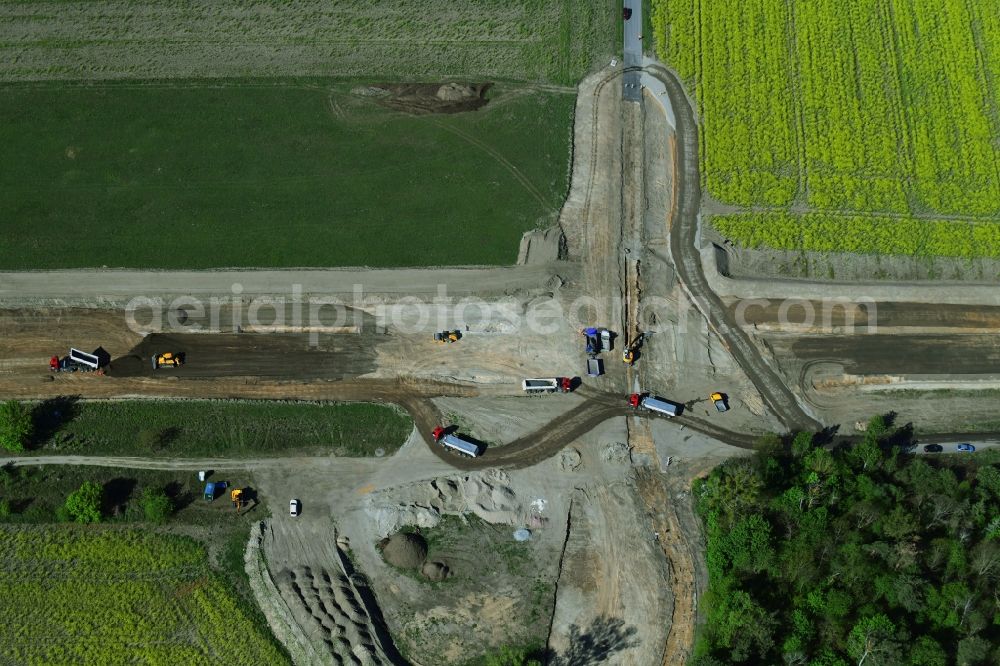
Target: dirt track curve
<point x="687" y="259"/>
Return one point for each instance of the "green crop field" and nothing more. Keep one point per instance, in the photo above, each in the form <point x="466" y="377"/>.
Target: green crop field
<point x="113" y="596"/>
<point x="217" y="428"/>
<point x="271" y="174"/>
<point x="861" y="125"/>
<point x="528" y="40"/>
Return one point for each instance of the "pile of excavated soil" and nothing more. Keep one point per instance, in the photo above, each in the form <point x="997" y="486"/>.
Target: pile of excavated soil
<point x="425" y="98"/>
<point x="485" y="494"/>
<point x="436" y="571"/>
<point x="405" y="550"/>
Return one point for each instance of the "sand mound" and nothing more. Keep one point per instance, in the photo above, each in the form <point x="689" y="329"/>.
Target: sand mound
<point x="436" y="571"/>
<point x="569" y="459"/>
<point x="405" y="550"/>
<point x="454" y="92"/>
<point x="486" y="494"/>
<point x="616" y="452"/>
<point x="421" y="98"/>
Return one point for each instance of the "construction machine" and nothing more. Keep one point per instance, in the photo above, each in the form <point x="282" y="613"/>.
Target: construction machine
<point x="593" y="338"/>
<point x="237" y="497"/>
<point x="721" y="401"/>
<point x="631" y="352"/>
<point x="448" y="336"/>
<point x="167" y="360"/>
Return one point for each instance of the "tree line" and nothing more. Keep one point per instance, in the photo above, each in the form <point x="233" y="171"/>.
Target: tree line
<point x="862" y="553"/>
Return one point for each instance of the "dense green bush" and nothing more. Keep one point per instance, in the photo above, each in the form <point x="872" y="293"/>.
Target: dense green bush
<point x="15" y="426"/>
<point x="84" y="505"/>
<point x="156" y="506"/>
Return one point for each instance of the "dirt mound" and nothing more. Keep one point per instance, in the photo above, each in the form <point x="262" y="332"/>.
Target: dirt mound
<point x="404" y="550"/>
<point x="486" y="494"/>
<point x="456" y="92"/>
<point x="425" y="98"/>
<point x="436" y="571"/>
<point x="569" y="460"/>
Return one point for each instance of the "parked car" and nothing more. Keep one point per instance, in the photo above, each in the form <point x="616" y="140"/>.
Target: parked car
<point x="626" y="13"/>
<point x="967" y="448"/>
<point x="933" y="448"/>
<point x="294" y="508"/>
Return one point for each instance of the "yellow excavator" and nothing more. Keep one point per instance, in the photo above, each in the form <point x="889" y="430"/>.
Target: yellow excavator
<point x="237" y="497"/>
<point x="632" y="350"/>
<point x="167" y="360"/>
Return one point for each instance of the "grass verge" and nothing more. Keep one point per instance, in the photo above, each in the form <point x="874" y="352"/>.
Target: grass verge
<point x="216" y="428"/>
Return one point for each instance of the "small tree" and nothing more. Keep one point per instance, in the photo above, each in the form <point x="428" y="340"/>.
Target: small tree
<point x="871" y="640"/>
<point x="802" y="444"/>
<point x="508" y="656"/>
<point x="156" y="506"/>
<point x="84" y="505"/>
<point x="15" y="426"/>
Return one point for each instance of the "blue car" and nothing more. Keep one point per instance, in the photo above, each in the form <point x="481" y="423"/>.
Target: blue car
<point x="967" y="448"/>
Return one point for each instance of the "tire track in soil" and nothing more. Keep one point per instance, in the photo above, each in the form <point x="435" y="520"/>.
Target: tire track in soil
<point x="686" y="256"/>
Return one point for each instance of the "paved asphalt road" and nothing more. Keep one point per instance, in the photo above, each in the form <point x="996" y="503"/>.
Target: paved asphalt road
<point x="631" y="85"/>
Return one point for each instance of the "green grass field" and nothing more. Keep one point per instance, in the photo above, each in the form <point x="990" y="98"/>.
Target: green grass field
<point x="217" y="428"/>
<point x="528" y="40"/>
<point x="285" y="173"/>
<point x="860" y="126"/>
<point x="112" y="596"/>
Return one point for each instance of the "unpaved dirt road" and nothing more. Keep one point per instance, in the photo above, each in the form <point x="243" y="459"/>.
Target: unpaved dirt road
<point x="117" y="287"/>
<point x="685" y="252"/>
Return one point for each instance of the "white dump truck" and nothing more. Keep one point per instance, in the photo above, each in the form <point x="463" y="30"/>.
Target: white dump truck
<point x="456" y="443"/>
<point x="547" y="385"/>
<point x="654" y="404"/>
<point x="540" y="385"/>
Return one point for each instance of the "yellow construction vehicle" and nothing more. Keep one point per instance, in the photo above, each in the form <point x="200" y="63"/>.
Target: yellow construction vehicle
<point x="167" y="360"/>
<point x="721" y="401"/>
<point x="448" y="336"/>
<point x="632" y="350"/>
<point x="237" y="496"/>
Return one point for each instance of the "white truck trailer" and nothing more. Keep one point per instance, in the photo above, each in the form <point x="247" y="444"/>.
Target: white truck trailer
<point x="549" y="385"/>
<point x="654" y="404"/>
<point x="457" y="443"/>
